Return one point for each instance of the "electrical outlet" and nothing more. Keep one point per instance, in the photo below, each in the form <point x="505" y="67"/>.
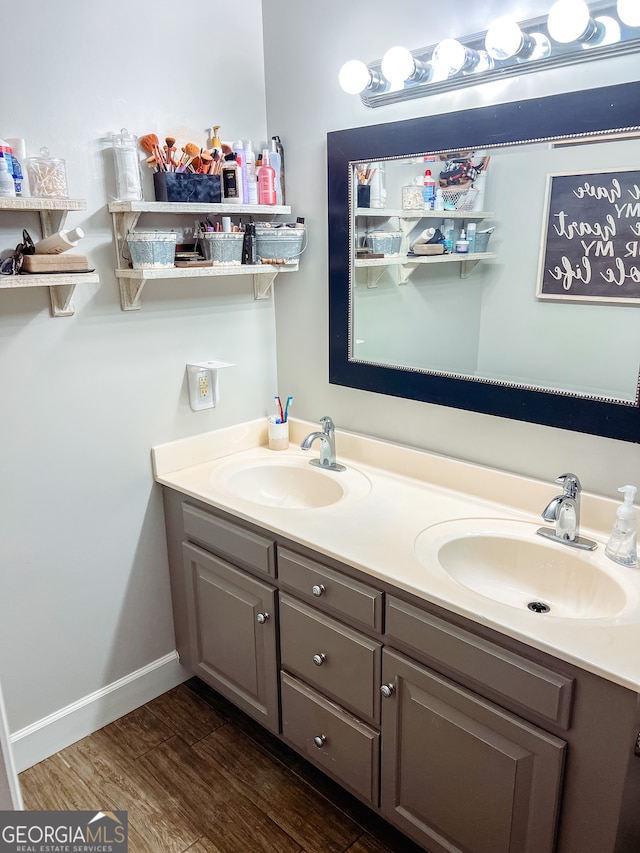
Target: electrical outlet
<point x="204" y="385"/>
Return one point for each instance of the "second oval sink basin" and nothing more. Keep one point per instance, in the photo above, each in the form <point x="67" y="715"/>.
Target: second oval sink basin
<point x="289" y="483"/>
<point x="507" y="562"/>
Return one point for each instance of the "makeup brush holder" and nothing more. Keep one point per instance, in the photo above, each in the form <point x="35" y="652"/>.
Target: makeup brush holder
<point x="187" y="187"/>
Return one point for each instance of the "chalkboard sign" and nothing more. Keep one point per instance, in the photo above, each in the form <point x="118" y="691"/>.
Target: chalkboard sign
<point x="591" y="251"/>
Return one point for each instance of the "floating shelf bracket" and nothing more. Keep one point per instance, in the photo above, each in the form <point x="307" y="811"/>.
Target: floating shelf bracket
<point x="61" y="300"/>
<point x="262" y="284"/>
<point x="466" y="267"/>
<point x="123" y="223"/>
<point x="131" y="293"/>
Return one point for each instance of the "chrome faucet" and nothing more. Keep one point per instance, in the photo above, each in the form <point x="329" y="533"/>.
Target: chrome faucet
<point x="327" y="439"/>
<point x="564" y="511"/>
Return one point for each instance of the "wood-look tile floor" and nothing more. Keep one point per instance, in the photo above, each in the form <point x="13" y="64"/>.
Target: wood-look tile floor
<point x="195" y="774"/>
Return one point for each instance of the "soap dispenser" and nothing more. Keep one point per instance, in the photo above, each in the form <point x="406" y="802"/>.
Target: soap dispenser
<point x="622" y="546"/>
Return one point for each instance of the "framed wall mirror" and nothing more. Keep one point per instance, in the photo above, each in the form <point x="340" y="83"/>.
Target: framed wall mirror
<point x="539" y="318"/>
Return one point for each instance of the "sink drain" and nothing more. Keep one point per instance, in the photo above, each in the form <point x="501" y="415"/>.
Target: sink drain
<point x="538" y="607"/>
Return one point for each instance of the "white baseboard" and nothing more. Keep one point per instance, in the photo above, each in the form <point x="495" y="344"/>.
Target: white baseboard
<point x="43" y="738"/>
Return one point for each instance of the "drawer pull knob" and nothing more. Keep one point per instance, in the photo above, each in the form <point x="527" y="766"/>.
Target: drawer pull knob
<point x="319" y="659"/>
<point x="262" y="618"/>
<point x="387" y="690"/>
<point x="320" y="740"/>
<point x="318" y="588"/>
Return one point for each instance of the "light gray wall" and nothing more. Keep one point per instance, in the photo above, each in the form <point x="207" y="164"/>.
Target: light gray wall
<point x="83" y="570"/>
<point x="304" y="102"/>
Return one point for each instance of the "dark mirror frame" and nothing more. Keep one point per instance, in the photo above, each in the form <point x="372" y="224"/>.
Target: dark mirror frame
<point x="598" y="110"/>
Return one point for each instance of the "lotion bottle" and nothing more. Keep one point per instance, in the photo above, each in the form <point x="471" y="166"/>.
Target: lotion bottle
<point x="276" y="164"/>
<point x="60" y="242"/>
<point x="622" y="546"/>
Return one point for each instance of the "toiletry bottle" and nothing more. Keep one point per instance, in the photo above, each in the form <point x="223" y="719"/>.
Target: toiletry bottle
<point x="60" y="242"/>
<point x="462" y="244"/>
<point x="231" y="181"/>
<point x="274" y="162"/>
<point x="266" y="181"/>
<point x="447" y="230"/>
<point x="622" y="546"/>
<point x="241" y="159"/>
<point x="19" y="148"/>
<point x="480" y="184"/>
<point x="7" y="186"/>
<point x="252" y="178"/>
<point x="471" y="236"/>
<point x="276" y="145"/>
<point x="438" y="203"/>
<point x="429" y="190"/>
<point x="249" y="244"/>
<point x="378" y="191"/>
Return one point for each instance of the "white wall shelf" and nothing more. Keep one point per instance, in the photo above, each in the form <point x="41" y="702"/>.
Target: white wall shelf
<point x="125" y="215"/>
<point x="53" y="214"/>
<point x="133" y="281"/>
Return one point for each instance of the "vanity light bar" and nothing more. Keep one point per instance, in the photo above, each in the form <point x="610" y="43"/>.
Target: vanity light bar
<point x="574" y="31"/>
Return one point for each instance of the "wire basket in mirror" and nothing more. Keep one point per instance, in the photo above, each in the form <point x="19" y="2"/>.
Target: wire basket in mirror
<point x="459" y="197"/>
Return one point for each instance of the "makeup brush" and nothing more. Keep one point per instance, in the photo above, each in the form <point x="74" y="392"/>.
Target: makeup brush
<point x="190" y="152"/>
<point x="170" y="147"/>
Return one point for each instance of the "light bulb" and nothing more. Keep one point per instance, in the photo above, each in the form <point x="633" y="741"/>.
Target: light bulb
<point x="450" y="55"/>
<point x="504" y="39"/>
<point x="629" y="12"/>
<point x="568" y="21"/>
<point x="397" y="64"/>
<point x="610" y="30"/>
<point x="354" y="77"/>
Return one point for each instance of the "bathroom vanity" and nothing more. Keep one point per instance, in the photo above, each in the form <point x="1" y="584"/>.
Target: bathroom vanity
<point x="469" y="723"/>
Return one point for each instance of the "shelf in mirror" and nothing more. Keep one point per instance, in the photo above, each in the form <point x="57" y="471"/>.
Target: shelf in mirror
<point x="407" y="263"/>
<point x="388" y="213"/>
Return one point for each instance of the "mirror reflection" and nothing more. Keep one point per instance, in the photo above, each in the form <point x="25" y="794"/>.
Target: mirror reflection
<point x="515" y="264"/>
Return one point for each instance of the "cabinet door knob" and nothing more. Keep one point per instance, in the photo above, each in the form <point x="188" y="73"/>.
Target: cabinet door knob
<point x="318" y="589"/>
<point x="387" y="690"/>
<point x="262" y="618"/>
<point x="320" y="740"/>
<point x="319" y="659"/>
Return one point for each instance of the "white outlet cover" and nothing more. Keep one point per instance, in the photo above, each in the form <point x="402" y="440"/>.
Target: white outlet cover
<point x="202" y="381"/>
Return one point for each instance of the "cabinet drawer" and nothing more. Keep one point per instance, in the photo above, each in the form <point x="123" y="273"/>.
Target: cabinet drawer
<point x="335" y="741"/>
<point x="242" y="547"/>
<point x="341" y="662"/>
<point x="492" y="671"/>
<point x="330" y="590"/>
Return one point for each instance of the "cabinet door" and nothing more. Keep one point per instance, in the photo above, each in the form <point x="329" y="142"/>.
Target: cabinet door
<point x="460" y="774"/>
<point x="232" y="624"/>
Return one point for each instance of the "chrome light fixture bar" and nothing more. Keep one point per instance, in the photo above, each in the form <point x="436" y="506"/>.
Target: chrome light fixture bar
<point x="574" y="31"/>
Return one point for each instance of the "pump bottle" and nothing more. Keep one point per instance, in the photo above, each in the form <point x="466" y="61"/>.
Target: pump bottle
<point x="266" y="181"/>
<point x="622" y="546"/>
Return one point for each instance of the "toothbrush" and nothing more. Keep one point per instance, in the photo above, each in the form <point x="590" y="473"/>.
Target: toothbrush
<point x="286" y="408"/>
<point x="278" y="401"/>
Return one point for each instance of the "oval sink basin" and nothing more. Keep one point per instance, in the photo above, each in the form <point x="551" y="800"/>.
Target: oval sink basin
<point x="508" y="562"/>
<point x="288" y="483"/>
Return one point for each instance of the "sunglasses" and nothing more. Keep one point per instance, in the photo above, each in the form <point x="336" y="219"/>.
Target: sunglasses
<point x="13" y="264"/>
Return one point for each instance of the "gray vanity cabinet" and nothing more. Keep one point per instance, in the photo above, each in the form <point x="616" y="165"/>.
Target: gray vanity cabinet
<point x="461" y="774"/>
<point x="466" y="740"/>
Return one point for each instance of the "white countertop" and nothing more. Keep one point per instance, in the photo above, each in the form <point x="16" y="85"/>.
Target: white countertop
<point x="393" y="494"/>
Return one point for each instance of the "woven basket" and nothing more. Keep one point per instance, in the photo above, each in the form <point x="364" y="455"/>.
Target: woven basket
<point x="460" y="198"/>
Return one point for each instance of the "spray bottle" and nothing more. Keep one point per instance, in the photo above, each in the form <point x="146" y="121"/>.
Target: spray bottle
<point x="622" y="546"/>
<point x="429" y="190"/>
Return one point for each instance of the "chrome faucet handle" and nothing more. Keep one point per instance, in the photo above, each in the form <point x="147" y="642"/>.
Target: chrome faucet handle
<point x="327" y="425"/>
<point x="570" y="485"/>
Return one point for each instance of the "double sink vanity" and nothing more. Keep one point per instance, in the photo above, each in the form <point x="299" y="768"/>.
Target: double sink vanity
<point x="402" y="626"/>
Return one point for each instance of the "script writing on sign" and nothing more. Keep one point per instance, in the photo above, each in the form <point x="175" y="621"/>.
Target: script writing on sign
<point x="591" y="249"/>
